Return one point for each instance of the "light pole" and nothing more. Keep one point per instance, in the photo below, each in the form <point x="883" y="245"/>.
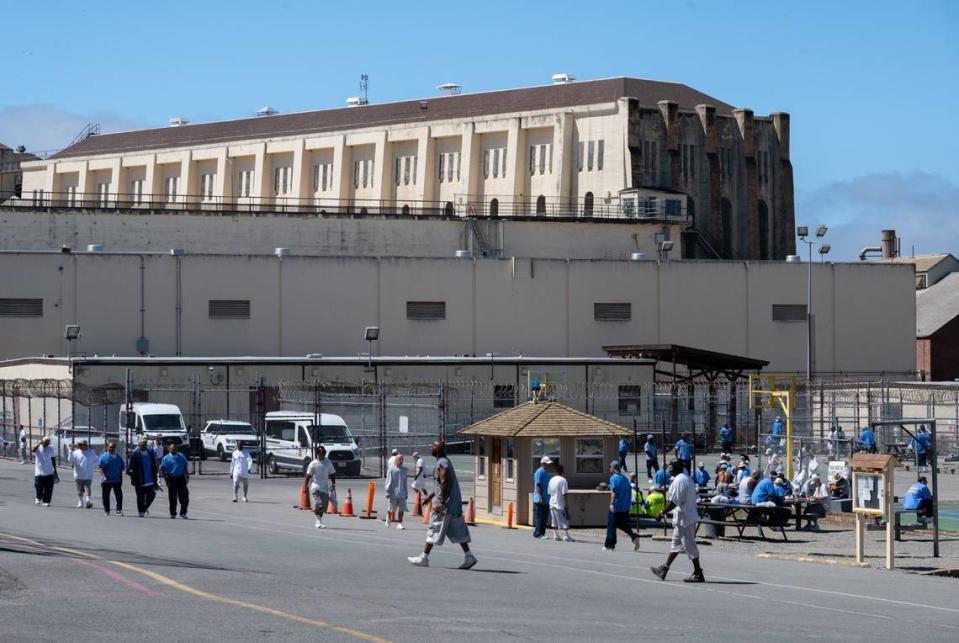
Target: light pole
<point x="803" y="232"/>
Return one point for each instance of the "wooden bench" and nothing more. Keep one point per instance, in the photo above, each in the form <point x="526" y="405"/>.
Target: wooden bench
<point x="757" y="517"/>
<point x="898" y="526"/>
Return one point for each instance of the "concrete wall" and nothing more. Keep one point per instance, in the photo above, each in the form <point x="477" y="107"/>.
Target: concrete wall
<point x="326" y="235"/>
<point x="864" y="313"/>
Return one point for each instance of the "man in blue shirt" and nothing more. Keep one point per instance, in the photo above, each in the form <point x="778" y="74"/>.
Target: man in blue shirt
<point x="541" y="497"/>
<point x="919" y="499"/>
<point x="111" y="468"/>
<point x="701" y="476"/>
<point x="620" y="500"/>
<point x="663" y="479"/>
<point x="867" y="441"/>
<point x="920" y="445"/>
<point x="726" y="437"/>
<point x="143" y="472"/>
<point x="684" y="452"/>
<point x="652" y="465"/>
<point x="173" y="467"/>
<point x="773" y="439"/>
<point x="771" y="494"/>
<point x="623" y="452"/>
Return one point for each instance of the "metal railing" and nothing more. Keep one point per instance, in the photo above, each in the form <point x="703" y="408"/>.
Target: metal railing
<point x="462" y="206"/>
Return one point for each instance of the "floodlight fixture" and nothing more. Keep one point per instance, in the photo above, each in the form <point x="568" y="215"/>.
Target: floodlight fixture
<point x="824" y="249"/>
<point x="802" y="231"/>
<point x="71" y="332"/>
<point x="665" y="246"/>
<point x="372" y="333"/>
<point x="821" y="231"/>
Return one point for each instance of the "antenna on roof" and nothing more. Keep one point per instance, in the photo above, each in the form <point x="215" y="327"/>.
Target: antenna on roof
<point x="364" y="86"/>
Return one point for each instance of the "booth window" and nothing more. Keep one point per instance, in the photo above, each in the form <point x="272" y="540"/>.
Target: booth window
<point x="481" y="457"/>
<point x="589" y="455"/>
<point x="545" y="446"/>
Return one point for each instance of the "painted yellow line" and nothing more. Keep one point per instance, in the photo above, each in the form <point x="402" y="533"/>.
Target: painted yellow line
<point x="497" y="523"/>
<point x="169" y="582"/>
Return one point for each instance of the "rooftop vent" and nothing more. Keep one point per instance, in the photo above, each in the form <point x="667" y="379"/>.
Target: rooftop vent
<point x="95" y="247"/>
<point x="562" y="78"/>
<point x="266" y="110"/>
<point x="793" y="259"/>
<point x="177" y="121"/>
<point x="283" y="252"/>
<point x="450" y="89"/>
<point x="355" y="101"/>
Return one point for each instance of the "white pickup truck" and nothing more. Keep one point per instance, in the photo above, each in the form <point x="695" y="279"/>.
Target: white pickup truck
<point x="221" y="437"/>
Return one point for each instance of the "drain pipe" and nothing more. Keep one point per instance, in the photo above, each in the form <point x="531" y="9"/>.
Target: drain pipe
<point x="869" y="250"/>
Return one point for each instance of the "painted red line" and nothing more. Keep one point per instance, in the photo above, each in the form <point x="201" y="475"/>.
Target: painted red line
<point x="117" y="577"/>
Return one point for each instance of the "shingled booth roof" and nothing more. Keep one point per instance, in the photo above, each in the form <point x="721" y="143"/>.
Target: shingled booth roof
<point x="698" y="362"/>
<point x="544" y="420"/>
<point x="470" y="105"/>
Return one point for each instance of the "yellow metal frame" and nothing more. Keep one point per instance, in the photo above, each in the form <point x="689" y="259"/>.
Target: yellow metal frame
<point x="779" y="392"/>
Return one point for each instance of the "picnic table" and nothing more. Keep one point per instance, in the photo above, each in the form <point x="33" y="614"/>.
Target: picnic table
<point x="740" y="517"/>
<point x="800" y="504"/>
<point x="897" y="448"/>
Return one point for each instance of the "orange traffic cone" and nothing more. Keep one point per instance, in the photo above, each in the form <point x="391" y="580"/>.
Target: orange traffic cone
<point x="470" y="512"/>
<point x="426" y="515"/>
<point x="304" y="499"/>
<point x="330" y="507"/>
<point x="509" y="516"/>
<point x="348" y="507"/>
<point x="368" y="514"/>
<point x="418" y="505"/>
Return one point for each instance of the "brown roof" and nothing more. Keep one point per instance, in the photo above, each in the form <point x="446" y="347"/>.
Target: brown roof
<point x="923" y="263"/>
<point x="544" y="420"/>
<point x="649" y="92"/>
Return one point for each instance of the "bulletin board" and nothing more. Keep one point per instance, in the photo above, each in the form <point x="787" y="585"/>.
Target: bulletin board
<point x="869" y="495"/>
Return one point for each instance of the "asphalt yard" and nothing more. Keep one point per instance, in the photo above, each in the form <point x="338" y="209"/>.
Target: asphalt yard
<point x="260" y="571"/>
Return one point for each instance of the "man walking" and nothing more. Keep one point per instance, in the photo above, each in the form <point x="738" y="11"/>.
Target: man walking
<point x="82" y="459"/>
<point x="684" y="451"/>
<point x="396" y="491"/>
<point x="173" y="467"/>
<point x="144" y="475"/>
<point x="541" y="497"/>
<point x="111" y="468"/>
<point x="419" y="474"/>
<point x="726" y="438"/>
<point x="446" y="512"/>
<point x="22" y="446"/>
<point x="558" y="487"/>
<point x="620" y="500"/>
<point x="44" y="471"/>
<point x="623" y="452"/>
<point x="321" y="481"/>
<point x="681" y="500"/>
<point x="240" y="470"/>
<point x="652" y="464"/>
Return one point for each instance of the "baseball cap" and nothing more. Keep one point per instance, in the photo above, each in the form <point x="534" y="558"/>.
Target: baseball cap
<point x="545" y="460"/>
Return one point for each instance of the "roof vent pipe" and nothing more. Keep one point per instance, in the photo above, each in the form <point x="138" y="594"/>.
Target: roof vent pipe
<point x="890" y="247"/>
<point x="869" y="250"/>
<point x="355" y="101"/>
<point x="563" y="78"/>
<point x="450" y="89"/>
<point x="177" y="121"/>
<point x="793" y="259"/>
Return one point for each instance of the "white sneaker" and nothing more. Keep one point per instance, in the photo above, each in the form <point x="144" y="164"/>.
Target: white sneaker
<point x="568" y="539"/>
<point x="556" y="537"/>
<point x="319" y="524"/>
<point x="607" y="549"/>
<point x="469" y="561"/>
<point x="120" y="513"/>
<point x="386" y="522"/>
<point x="234" y="500"/>
<point x="400" y="526"/>
<point x="419" y="561"/>
<point x="146" y="513"/>
<point x="244" y="499"/>
<point x="36" y="501"/>
<point x="46" y="504"/>
<point x="79" y="504"/>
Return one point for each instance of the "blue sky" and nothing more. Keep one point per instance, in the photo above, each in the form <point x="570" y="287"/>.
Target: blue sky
<point x="873" y="87"/>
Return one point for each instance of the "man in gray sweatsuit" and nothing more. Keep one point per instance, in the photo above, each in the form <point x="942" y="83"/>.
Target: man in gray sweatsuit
<point x="396" y="491"/>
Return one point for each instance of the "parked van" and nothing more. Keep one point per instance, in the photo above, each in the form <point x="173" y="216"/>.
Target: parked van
<point x="291" y="436"/>
<point x="151" y="421"/>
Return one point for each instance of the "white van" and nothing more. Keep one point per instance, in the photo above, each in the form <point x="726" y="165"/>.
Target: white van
<point x="151" y="421"/>
<point x="291" y="436"/>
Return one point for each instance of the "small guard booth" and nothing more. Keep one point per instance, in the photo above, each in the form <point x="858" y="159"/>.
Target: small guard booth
<point x="872" y="496"/>
<point x="508" y="448"/>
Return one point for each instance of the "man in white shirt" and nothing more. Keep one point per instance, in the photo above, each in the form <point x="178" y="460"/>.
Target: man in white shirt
<point x="22" y="445"/>
<point x="557" y="488"/>
<point x="82" y="460"/>
<point x="419" y="473"/>
<point x="240" y="470"/>
<point x="681" y="500"/>
<point x="396" y="492"/>
<point x="392" y="459"/>
<point x="321" y="480"/>
<point x="44" y="471"/>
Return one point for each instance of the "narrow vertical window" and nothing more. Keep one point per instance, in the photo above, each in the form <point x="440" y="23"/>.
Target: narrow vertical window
<point x="449" y="167"/>
<point x="532" y="160"/>
<point x="485" y="164"/>
<point x="356" y="174"/>
<point x="504" y="162"/>
<point x="407" y="162"/>
<point x="600" y="150"/>
<point x="396" y="172"/>
<point x="366" y="173"/>
<point x="495" y="163"/>
<point x="542" y="159"/>
<point x="414" y="170"/>
<point x="459" y="157"/>
<point x="579" y="156"/>
<point x="589" y="156"/>
<point x="372" y="163"/>
<point x="441" y="164"/>
<point x="316" y="178"/>
<point x="550" y="165"/>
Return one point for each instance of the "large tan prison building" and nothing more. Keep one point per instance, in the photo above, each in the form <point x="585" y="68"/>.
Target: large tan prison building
<point x="223" y="305"/>
<point x="579" y="149"/>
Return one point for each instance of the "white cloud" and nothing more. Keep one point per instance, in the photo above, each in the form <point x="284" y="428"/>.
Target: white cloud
<point x="43" y="128"/>
<point x="922" y="208"/>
